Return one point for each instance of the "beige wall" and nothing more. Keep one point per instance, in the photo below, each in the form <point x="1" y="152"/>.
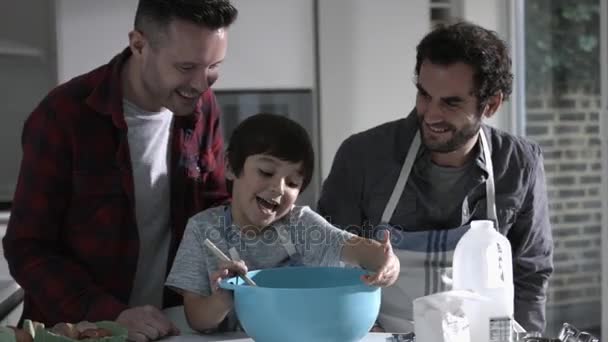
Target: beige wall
<point x="271" y="46"/>
<point x="367" y="58"/>
<point x="90" y="33"/>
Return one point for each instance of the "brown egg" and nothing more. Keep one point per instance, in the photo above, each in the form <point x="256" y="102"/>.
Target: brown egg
<point x="95" y="333"/>
<point x="85" y="325"/>
<point x="66" y="329"/>
<point x="104" y="332"/>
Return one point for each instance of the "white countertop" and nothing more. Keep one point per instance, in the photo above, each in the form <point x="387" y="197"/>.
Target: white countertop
<point x="372" y="337"/>
<point x="4" y="274"/>
<point x="176" y="314"/>
<point x="7" y="288"/>
<point x="7" y="284"/>
<point x="10" y="293"/>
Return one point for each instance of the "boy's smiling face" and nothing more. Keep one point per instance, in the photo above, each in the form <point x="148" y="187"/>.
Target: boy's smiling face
<point x="265" y="191"/>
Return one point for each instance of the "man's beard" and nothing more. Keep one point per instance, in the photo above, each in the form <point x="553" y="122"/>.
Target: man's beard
<point x="459" y="136"/>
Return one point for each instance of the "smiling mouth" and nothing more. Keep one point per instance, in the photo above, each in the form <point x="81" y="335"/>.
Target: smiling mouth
<point x="268" y="205"/>
<point x="437" y="129"/>
<point x="188" y="95"/>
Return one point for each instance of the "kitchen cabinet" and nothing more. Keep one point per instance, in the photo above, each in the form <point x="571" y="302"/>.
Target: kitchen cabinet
<point x="27" y="72"/>
<point x="10" y="48"/>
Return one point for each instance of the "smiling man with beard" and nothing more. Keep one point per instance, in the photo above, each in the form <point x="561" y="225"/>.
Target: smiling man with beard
<point x="115" y="161"/>
<point x="427" y="176"/>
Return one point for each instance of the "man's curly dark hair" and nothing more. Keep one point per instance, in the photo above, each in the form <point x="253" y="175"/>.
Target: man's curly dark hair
<point x="473" y="45"/>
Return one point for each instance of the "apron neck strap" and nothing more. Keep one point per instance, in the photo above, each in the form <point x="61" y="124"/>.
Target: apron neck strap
<point x="407" y="168"/>
<point x="403" y="176"/>
<point x="490" y="190"/>
<point x="286" y="240"/>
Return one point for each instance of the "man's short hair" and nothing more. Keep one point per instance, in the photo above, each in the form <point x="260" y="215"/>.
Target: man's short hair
<point x="475" y="46"/>
<point x="153" y="16"/>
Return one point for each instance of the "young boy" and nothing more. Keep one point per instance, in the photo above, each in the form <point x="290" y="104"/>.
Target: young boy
<point x="270" y="161"/>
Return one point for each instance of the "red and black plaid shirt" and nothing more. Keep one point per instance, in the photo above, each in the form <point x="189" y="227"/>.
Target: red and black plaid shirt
<point x="72" y="240"/>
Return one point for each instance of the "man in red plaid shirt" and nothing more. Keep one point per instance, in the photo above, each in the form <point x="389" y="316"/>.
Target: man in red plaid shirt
<point x="115" y="161"/>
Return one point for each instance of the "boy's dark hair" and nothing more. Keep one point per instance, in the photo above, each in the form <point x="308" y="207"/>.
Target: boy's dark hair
<point x="273" y="135"/>
<point x="475" y="46"/>
<point x="153" y="16"/>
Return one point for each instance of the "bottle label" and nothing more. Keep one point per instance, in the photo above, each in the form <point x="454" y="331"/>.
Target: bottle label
<point x="501" y="329"/>
<point x="495" y="264"/>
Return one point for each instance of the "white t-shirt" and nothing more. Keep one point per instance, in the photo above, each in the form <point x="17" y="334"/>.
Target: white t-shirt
<point x="149" y="137"/>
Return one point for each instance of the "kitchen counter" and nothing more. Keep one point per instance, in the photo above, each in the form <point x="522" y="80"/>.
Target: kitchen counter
<point x="11" y="294"/>
<point x="176" y="314"/>
<point x="372" y="337"/>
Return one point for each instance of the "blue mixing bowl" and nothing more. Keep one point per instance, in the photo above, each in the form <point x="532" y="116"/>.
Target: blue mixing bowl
<point x="305" y="304"/>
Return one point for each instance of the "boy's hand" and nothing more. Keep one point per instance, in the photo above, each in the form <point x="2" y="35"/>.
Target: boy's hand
<point x="206" y="313"/>
<point x="389" y="270"/>
<point x="226" y="270"/>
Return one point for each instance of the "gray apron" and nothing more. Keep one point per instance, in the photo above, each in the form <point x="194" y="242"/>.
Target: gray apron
<point x="295" y="258"/>
<point x="425" y="256"/>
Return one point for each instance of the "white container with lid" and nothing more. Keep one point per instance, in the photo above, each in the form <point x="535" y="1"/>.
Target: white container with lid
<point x="483" y="263"/>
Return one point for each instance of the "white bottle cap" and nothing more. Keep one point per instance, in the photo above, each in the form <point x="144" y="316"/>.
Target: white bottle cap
<point x="487" y="224"/>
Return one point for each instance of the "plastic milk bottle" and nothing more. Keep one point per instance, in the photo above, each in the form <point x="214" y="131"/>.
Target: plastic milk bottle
<point x="482" y="263"/>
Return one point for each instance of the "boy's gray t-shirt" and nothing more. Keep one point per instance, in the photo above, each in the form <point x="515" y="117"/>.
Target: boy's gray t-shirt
<point x="317" y="241"/>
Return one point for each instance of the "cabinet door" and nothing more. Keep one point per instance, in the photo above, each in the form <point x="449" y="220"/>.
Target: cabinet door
<point x="27" y="73"/>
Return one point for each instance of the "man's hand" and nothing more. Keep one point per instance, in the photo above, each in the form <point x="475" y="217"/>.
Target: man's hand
<point x="388" y="272"/>
<point x="146" y="323"/>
